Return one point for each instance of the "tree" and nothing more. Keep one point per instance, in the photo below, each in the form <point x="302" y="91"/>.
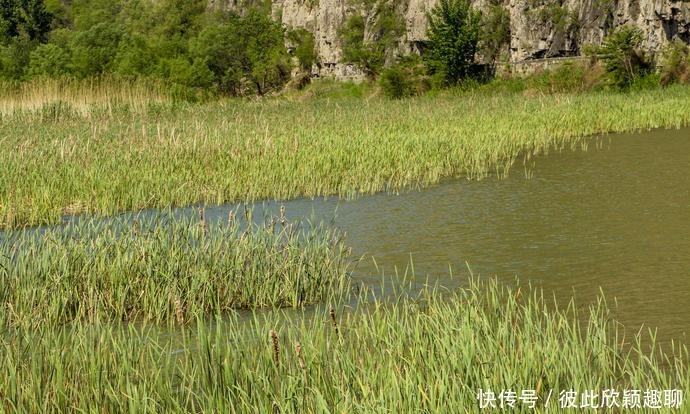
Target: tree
<point x="675" y="63"/>
<point x="24" y="18"/>
<point x="371" y="43"/>
<point x="244" y="51"/>
<point x="625" y="62"/>
<point x="303" y="48"/>
<point x="49" y="59"/>
<point x="453" y="35"/>
<point x="94" y="50"/>
<point x="495" y="31"/>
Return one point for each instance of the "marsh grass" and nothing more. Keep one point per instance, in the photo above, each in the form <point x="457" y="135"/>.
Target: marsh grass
<point x="60" y="99"/>
<point x="279" y="148"/>
<point x="163" y="269"/>
<point x="430" y="353"/>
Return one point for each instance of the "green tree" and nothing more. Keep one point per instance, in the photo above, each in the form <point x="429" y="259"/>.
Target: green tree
<point x="94" y="50"/>
<point x="495" y="33"/>
<point x="134" y="56"/>
<point x="371" y="43"/>
<point x="244" y="52"/>
<point x="625" y="61"/>
<point x="89" y="13"/>
<point x="303" y="47"/>
<point x="51" y="60"/>
<point x="15" y="57"/>
<point x="179" y="18"/>
<point x="675" y="63"/>
<point x="453" y="35"/>
<point x="24" y="18"/>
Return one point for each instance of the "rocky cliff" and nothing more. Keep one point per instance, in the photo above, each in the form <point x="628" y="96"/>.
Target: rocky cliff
<point x="538" y="28"/>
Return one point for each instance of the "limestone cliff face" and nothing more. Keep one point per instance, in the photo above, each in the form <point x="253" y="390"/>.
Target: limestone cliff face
<point x="539" y="28"/>
<point x="538" y="32"/>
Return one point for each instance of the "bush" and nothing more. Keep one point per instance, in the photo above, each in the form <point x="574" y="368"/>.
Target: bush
<point x="94" y="50"/>
<point x="395" y="84"/>
<point x="675" y="63"/>
<point x="303" y="41"/>
<point x="495" y="32"/>
<point x="15" y="58"/>
<point x="244" y="53"/>
<point x="406" y="78"/>
<point x="625" y="62"/>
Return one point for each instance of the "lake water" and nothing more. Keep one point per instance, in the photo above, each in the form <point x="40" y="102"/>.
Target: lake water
<point x="614" y="218"/>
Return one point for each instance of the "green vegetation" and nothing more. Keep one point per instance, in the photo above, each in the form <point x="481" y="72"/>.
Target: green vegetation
<point x="676" y="63"/>
<point x="70" y="158"/>
<point x="495" y="31"/>
<point x="179" y="42"/>
<point x="403" y="354"/>
<point x="303" y="41"/>
<point x="625" y="62"/>
<point x="114" y="105"/>
<point x="370" y="40"/>
<point x="164" y="268"/>
<point x="453" y="34"/>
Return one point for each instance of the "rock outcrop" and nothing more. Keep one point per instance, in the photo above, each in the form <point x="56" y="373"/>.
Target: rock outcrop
<point x="539" y="28"/>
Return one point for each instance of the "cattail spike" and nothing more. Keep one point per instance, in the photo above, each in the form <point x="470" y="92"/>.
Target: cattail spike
<point x="274" y="338"/>
<point x="202" y="221"/>
<point x="179" y="311"/>
<point x="335" y="323"/>
<point x="298" y="351"/>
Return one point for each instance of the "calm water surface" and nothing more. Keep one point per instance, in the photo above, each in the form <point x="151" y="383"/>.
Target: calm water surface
<point x="614" y="218"/>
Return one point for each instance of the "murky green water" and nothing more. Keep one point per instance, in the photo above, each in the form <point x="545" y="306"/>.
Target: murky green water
<point x="614" y="218"/>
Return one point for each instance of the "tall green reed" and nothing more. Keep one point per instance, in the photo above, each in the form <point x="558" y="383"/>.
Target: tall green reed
<point x="165" y="268"/>
<point x="232" y="150"/>
<point x="429" y="353"/>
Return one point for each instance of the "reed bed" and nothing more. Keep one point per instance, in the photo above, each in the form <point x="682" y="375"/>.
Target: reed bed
<point x="233" y="150"/>
<point x="431" y="353"/>
<point x="162" y="269"/>
<point x="56" y="99"/>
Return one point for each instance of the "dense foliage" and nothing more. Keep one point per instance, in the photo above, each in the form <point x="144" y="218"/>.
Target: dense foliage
<point x="453" y="33"/>
<point x="625" y="62"/>
<point x="182" y="41"/>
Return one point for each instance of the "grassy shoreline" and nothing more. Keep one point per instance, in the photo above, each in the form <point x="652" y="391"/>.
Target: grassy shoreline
<point x="99" y="315"/>
<point x="59" y="160"/>
<point x="430" y="353"/>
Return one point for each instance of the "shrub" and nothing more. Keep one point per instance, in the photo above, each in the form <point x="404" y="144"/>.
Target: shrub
<point x="243" y="53"/>
<point x="495" y="31"/>
<point x="395" y="84"/>
<point x="303" y="41"/>
<point x="625" y="61"/>
<point x="15" y="57"/>
<point x="406" y="78"/>
<point x="94" y="50"/>
<point x="675" y="63"/>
